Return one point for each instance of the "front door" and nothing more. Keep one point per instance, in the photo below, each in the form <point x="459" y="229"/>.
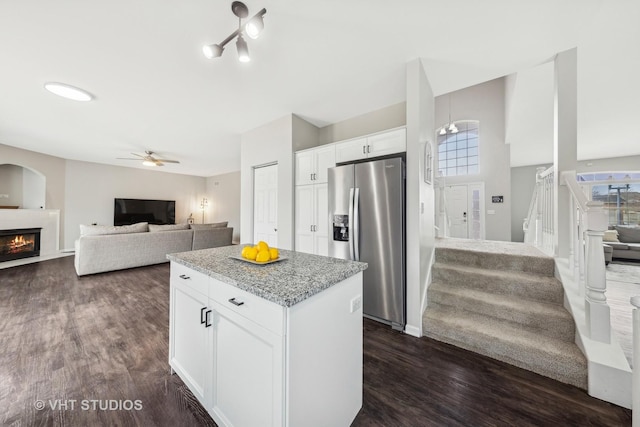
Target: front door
<point x="265" y="204"/>
<point x="465" y="210"/>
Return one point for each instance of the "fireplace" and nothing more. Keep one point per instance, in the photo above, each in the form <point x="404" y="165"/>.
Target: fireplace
<point x="20" y="243"/>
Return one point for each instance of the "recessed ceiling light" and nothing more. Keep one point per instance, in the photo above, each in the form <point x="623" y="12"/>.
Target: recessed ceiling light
<point x="67" y="91"/>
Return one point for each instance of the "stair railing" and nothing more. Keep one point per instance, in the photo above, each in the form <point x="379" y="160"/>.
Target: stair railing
<point x="635" y="374"/>
<point x="588" y="221"/>
<point x="538" y="227"/>
<point x="444" y="222"/>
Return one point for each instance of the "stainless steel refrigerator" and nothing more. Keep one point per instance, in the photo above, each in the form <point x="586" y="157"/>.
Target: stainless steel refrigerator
<point x="367" y="211"/>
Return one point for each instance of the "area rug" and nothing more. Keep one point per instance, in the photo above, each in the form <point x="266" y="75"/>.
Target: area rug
<point x="626" y="272"/>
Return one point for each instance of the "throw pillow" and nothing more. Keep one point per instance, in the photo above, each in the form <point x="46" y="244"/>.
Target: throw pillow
<point x="609" y="236"/>
<point x="99" y="230"/>
<point x="208" y="226"/>
<point x="167" y="227"/>
<point x="628" y="234"/>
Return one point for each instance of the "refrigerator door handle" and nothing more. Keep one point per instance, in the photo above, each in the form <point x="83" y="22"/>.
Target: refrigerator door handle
<point x="351" y="249"/>
<point x="356" y="224"/>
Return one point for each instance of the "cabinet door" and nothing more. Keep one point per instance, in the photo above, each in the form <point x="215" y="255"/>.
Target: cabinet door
<point x="321" y="220"/>
<point x="305" y="167"/>
<point x="304" y="218"/>
<point x="325" y="158"/>
<point x="351" y="150"/>
<point x="247" y="378"/>
<point x="387" y="143"/>
<point x="189" y="337"/>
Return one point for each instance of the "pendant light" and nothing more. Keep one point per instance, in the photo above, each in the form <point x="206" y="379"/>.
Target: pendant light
<point x="450" y="126"/>
<point x="251" y="29"/>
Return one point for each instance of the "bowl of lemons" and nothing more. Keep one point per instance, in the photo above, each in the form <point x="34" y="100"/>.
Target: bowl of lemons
<point x="260" y="253"/>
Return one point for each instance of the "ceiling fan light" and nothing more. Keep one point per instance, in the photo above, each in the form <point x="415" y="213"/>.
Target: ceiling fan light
<point x="149" y="163"/>
<point x="254" y="27"/>
<point x="243" y="50"/>
<point x="212" y="51"/>
<point x="68" y="91"/>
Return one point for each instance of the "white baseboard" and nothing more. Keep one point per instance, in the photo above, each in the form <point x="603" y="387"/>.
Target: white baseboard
<point x="413" y="331"/>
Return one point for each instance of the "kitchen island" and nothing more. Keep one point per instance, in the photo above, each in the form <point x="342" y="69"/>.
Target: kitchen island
<point x="270" y="345"/>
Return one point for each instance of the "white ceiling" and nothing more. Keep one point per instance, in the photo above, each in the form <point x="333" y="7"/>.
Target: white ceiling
<point x="324" y="61"/>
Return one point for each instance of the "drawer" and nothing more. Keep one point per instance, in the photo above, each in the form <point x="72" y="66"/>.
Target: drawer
<point x="265" y="313"/>
<point x="197" y="281"/>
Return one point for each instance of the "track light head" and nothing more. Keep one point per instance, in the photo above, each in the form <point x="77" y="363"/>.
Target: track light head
<point x="254" y="27"/>
<point x="243" y="50"/>
<point x="212" y="51"/>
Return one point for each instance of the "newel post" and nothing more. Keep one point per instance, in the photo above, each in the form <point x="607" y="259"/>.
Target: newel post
<point x="635" y="376"/>
<point x="596" y="308"/>
<point x="540" y="206"/>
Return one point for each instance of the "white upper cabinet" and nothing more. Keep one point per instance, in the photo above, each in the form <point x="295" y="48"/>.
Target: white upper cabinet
<point x="312" y="165"/>
<point x="380" y="144"/>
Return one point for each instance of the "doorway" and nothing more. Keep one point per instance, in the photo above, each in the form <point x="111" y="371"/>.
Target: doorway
<point x="265" y="204"/>
<point x="465" y="210"/>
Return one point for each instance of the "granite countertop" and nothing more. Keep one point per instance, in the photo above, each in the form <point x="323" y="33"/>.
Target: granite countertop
<point x="286" y="282"/>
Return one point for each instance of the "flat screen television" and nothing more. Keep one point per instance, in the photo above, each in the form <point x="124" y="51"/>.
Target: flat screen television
<point x="130" y="211"/>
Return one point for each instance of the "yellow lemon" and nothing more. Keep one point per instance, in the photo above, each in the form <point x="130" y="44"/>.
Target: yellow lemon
<point x="263" y="256"/>
<point x="263" y="246"/>
<point x="245" y="251"/>
<point x="252" y="253"/>
<point x="273" y="253"/>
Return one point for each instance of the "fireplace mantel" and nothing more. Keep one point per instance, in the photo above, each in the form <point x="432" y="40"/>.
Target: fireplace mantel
<point x="47" y="219"/>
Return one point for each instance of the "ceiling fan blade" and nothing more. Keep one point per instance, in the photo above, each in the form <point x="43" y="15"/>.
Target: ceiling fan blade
<point x="139" y="155"/>
<point x="126" y="158"/>
<point x="168" y="161"/>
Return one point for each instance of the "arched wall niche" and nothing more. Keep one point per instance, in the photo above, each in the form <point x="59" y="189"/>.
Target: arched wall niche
<point x="22" y="187"/>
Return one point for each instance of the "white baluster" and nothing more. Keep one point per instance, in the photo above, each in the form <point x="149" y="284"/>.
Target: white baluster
<point x="596" y="309"/>
<point x="635" y="378"/>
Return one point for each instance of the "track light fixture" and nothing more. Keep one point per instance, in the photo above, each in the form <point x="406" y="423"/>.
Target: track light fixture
<point x="251" y="29"/>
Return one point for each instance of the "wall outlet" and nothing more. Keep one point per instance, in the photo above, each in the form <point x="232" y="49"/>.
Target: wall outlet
<point x="356" y="304"/>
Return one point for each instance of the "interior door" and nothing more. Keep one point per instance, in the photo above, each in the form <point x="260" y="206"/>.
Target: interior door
<point x="265" y="204"/>
<point x="458" y="211"/>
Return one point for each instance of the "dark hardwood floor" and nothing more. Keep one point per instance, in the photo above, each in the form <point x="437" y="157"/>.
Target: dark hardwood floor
<point x="103" y="340"/>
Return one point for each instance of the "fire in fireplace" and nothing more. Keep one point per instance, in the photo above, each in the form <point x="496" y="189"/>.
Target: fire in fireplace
<point x="22" y="243"/>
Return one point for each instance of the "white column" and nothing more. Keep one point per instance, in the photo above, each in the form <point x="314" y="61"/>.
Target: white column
<point x="635" y="378"/>
<point x="565" y="142"/>
<point x="597" y="314"/>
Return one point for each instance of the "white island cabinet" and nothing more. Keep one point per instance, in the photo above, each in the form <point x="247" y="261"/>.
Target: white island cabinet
<point x="268" y="345"/>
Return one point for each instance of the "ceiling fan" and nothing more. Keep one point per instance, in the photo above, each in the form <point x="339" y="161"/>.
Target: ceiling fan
<point x="148" y="159"/>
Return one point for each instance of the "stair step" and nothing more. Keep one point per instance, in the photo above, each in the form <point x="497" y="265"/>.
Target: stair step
<point x="513" y="283"/>
<point x="505" y="256"/>
<point x="500" y="340"/>
<point x="549" y="319"/>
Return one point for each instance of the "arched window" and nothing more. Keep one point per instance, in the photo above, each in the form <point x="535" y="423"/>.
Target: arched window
<point x="458" y="151"/>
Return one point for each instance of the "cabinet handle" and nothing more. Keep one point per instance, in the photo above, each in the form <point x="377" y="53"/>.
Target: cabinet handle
<point x="202" y="316"/>
<point x="185" y="277"/>
<point x="206" y="319"/>
<point x="311" y="176"/>
<point x="363" y="149"/>
<point x="368" y="148"/>
<point x="236" y="303"/>
<point x="315" y="178"/>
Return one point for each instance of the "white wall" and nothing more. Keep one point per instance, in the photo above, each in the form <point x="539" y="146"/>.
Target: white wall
<point x="34" y="189"/>
<point x="305" y="135"/>
<point x="11" y="185"/>
<point x="374" y="121"/>
<point x="420" y="114"/>
<point x="53" y="170"/>
<point x="223" y="192"/>
<point x="270" y="143"/>
<point x="484" y="102"/>
<point x="91" y="189"/>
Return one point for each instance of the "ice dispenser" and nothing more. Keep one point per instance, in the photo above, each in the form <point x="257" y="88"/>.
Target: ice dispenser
<point x="341" y="228"/>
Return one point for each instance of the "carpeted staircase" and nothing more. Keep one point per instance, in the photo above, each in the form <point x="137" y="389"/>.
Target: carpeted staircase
<point x="500" y="299"/>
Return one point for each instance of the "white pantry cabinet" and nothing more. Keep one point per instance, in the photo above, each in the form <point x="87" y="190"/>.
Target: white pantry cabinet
<point x="376" y="145"/>
<point x="312" y="164"/>
<point x="312" y="219"/>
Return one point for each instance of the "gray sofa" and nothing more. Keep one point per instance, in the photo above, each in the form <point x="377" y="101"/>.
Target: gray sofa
<point x="100" y="249"/>
<point x="625" y="242"/>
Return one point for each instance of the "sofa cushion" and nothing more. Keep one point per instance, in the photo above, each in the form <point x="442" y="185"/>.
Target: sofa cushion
<point x="610" y="236"/>
<point x="634" y="247"/>
<point x="167" y="227"/>
<point x="628" y="234"/>
<point x="619" y="246"/>
<point x="99" y="230"/>
<point x="210" y="225"/>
